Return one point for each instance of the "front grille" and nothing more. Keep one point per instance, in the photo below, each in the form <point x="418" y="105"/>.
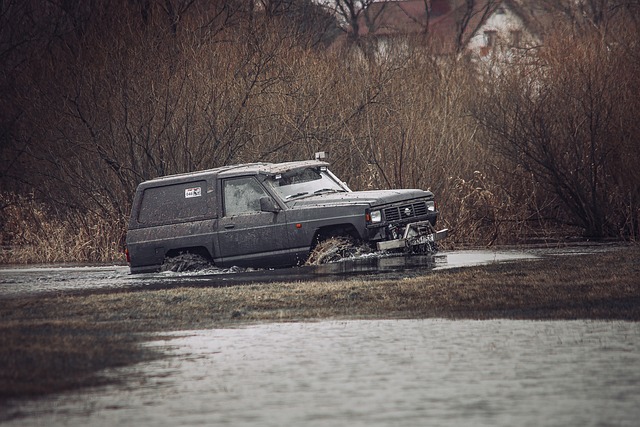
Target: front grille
<point x="420" y="208"/>
<point x="392" y="214"/>
<point x="397" y="213"/>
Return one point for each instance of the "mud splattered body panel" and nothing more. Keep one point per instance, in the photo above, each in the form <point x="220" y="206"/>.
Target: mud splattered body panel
<point x="261" y="214"/>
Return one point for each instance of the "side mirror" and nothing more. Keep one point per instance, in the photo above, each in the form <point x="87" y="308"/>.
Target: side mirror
<point x="268" y="205"/>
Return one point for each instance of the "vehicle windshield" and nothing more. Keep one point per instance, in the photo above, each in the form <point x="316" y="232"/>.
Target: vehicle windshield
<point x="304" y="182"/>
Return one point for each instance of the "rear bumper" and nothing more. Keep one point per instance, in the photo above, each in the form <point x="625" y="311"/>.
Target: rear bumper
<point x="415" y="234"/>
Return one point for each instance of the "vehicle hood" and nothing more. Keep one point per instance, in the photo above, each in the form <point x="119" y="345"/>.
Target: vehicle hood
<point x="372" y="198"/>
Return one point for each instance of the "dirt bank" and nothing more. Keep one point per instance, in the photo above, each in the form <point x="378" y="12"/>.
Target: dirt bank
<point x="53" y="343"/>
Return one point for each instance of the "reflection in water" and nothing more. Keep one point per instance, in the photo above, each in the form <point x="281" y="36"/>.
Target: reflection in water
<point x="387" y="372"/>
<point x="416" y="264"/>
<point x="378" y="264"/>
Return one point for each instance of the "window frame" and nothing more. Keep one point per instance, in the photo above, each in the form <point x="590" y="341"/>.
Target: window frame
<point x="257" y="185"/>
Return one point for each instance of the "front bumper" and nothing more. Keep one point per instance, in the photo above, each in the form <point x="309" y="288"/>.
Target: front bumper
<point x="416" y="234"/>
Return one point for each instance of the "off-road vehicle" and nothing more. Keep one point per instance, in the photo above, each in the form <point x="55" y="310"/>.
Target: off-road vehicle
<point x="271" y="215"/>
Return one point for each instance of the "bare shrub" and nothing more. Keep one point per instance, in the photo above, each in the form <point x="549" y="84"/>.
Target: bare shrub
<point x="418" y="134"/>
<point x="565" y="120"/>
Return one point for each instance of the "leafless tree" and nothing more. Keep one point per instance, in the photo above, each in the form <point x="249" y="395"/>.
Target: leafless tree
<point x="567" y="121"/>
<point x="595" y="13"/>
<point x="351" y="11"/>
<point x="472" y="15"/>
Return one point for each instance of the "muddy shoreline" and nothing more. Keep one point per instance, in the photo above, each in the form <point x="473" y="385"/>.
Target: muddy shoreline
<point x="59" y="342"/>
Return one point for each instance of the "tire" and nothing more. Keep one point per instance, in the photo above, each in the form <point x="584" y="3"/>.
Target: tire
<point x="334" y="249"/>
<point x="185" y="262"/>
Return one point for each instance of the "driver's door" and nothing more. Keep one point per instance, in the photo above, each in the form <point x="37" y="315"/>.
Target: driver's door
<point x="248" y="236"/>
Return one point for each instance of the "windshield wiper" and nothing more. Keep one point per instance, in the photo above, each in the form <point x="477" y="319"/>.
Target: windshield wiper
<point x="291" y="196"/>
<point x="329" y="190"/>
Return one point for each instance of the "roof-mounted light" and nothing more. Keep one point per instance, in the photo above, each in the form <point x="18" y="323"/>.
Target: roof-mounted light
<point x="320" y="155"/>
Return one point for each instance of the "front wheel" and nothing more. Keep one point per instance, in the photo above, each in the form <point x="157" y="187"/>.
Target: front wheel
<point x="337" y="248"/>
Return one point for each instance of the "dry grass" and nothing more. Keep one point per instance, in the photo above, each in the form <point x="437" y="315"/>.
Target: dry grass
<point x="58" y="342"/>
<point x="33" y="233"/>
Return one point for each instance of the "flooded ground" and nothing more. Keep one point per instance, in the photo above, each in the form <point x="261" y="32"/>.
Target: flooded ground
<point x="16" y="281"/>
<point x="370" y="373"/>
<point x="355" y="372"/>
<point x="21" y="280"/>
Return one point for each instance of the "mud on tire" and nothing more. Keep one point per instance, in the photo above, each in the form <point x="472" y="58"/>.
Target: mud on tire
<point x="185" y="262"/>
<point x="334" y="249"/>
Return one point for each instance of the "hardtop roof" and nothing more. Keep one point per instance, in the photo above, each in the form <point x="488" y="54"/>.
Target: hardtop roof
<point x="240" y="169"/>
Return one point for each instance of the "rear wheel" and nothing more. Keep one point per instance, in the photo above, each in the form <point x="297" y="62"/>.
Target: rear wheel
<point x="185" y="262"/>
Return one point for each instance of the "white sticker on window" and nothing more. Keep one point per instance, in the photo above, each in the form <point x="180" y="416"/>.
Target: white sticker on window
<point x="192" y="192"/>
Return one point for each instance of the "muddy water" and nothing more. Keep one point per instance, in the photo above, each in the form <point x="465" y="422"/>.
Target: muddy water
<point x="371" y="373"/>
<point x="19" y="281"/>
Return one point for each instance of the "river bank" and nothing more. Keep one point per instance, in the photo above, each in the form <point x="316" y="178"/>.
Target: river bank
<point x="59" y="342"/>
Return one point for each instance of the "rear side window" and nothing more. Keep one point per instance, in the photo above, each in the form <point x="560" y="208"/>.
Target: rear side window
<point x="170" y="203"/>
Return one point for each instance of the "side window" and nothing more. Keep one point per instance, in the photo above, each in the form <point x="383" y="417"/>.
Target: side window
<point x="173" y="203"/>
<point x="242" y="196"/>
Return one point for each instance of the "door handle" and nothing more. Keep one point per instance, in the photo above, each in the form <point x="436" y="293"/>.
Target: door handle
<point x="228" y="226"/>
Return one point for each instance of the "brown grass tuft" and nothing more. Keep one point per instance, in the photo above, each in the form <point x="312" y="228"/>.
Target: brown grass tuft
<point x="33" y="233"/>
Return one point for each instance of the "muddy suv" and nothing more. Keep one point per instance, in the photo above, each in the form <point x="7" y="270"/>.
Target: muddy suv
<point x="271" y="215"/>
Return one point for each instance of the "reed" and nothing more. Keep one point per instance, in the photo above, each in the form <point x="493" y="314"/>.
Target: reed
<point x="34" y="233"/>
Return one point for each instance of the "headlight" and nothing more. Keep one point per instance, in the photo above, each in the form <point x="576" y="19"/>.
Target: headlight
<point x="431" y="206"/>
<point x="376" y="216"/>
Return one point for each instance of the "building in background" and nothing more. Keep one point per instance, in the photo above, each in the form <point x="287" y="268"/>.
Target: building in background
<point x="477" y="29"/>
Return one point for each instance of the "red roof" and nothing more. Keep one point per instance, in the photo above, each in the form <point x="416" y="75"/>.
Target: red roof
<point x="392" y="17"/>
<point x="440" y="25"/>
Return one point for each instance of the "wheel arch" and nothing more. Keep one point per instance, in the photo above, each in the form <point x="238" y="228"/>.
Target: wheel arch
<point x="335" y="230"/>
